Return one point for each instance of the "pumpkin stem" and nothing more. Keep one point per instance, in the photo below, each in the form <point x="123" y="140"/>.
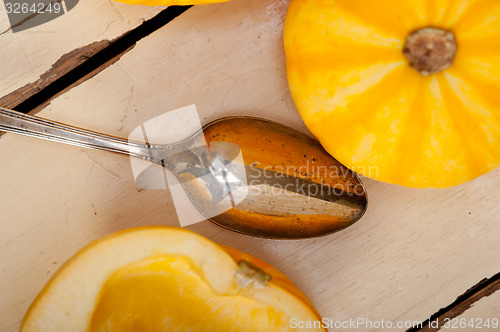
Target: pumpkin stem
<point x="248" y="273"/>
<point x="430" y="50"/>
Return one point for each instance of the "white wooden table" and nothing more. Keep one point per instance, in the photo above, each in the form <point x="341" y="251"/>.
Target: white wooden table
<point x="414" y="252"/>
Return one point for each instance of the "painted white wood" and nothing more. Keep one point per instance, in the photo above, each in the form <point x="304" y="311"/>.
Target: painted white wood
<point x="412" y="253"/>
<point x="484" y="315"/>
<point x="27" y="54"/>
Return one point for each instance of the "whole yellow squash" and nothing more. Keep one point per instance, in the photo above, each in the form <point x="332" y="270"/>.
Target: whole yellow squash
<point x="403" y="91"/>
<point x="170" y="2"/>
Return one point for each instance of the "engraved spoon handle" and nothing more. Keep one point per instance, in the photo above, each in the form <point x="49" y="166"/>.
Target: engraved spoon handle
<point x="20" y="123"/>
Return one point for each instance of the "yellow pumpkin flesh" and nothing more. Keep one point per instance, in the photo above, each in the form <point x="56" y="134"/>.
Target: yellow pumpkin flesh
<point x="166" y="279"/>
<point x="373" y="111"/>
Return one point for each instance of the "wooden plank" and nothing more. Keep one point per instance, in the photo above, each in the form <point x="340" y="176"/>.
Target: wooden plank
<point x="62" y="67"/>
<point x="412" y="253"/>
<point x="27" y="54"/>
<point x="81" y="64"/>
<point x="484" y="315"/>
<point x="458" y="314"/>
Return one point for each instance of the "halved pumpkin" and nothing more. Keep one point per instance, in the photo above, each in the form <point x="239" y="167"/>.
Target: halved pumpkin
<point x="164" y="279"/>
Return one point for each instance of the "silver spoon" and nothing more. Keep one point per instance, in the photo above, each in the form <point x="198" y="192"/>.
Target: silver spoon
<point x="256" y="176"/>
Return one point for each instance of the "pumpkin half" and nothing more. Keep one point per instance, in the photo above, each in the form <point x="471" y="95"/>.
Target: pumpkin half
<point x="166" y="279"/>
<point x="403" y="91"/>
<point x="170" y="2"/>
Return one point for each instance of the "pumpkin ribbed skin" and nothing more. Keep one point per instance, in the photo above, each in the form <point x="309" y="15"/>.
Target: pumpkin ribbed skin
<point x="358" y="94"/>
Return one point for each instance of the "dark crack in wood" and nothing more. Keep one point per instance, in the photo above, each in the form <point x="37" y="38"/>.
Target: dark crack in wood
<point x="62" y="67"/>
<point x="81" y="64"/>
<point x="484" y="288"/>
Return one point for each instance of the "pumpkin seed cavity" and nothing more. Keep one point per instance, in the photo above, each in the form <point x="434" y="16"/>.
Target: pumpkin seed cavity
<point x="248" y="273"/>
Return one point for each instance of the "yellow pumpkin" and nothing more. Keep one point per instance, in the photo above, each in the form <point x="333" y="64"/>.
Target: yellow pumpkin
<point x="403" y="91"/>
<point x="167" y="279"/>
<point x="170" y="2"/>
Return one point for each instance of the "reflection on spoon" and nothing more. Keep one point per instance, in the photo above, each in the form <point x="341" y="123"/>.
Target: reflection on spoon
<point x="295" y="189"/>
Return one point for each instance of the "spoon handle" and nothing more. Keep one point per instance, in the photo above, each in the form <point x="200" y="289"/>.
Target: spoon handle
<point x="29" y="125"/>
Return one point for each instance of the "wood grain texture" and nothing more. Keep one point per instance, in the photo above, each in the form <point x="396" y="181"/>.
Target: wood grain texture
<point x="27" y="54"/>
<point x="81" y="64"/>
<point x="65" y="64"/>
<point x="412" y="253"/>
<point x="457" y="314"/>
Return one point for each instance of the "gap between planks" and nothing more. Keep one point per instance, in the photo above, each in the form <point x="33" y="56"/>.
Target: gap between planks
<point x="83" y="63"/>
<point x="484" y="288"/>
